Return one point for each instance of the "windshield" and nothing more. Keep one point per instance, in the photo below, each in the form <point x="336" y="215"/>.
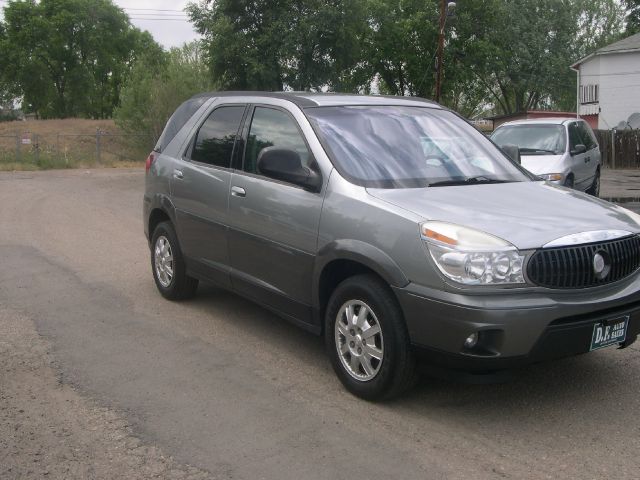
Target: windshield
<point x="532" y="139"/>
<point x="408" y="147"/>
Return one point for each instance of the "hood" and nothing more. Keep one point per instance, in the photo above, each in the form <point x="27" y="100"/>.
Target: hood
<point x="527" y="214"/>
<point x="541" y="164"/>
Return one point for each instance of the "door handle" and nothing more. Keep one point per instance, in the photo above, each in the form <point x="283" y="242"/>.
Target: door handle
<point x="238" y="192"/>
<point x="177" y="174"/>
<point x="587" y="160"/>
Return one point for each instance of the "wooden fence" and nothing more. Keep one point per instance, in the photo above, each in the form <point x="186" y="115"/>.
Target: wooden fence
<point x="620" y="149"/>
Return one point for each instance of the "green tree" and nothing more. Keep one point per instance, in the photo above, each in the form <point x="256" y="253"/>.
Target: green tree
<point x="269" y="45"/>
<point x="68" y="57"/>
<point x="633" y="16"/>
<point x="519" y="52"/>
<point x="155" y="87"/>
<point x="502" y="55"/>
<point x="402" y="45"/>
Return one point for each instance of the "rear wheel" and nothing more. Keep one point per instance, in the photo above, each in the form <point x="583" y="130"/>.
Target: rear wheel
<point x="367" y="339"/>
<point x="168" y="266"/>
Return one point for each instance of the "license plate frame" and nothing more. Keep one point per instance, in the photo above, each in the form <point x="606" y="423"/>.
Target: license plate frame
<point x="609" y="332"/>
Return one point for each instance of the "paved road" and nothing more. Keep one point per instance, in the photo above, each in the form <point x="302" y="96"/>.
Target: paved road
<point x="221" y="384"/>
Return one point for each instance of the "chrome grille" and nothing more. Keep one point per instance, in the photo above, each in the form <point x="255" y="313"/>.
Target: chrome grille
<point x="572" y="267"/>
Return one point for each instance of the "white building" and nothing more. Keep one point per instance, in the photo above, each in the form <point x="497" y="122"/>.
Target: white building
<point x="609" y="84"/>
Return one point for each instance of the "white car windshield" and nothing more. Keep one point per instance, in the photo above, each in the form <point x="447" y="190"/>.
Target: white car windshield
<point x="533" y="139"/>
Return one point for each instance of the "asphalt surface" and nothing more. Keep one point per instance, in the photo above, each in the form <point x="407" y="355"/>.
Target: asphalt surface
<point x="222" y="385"/>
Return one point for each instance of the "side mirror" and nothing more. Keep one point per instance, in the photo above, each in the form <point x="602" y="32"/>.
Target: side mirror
<point x="513" y="152"/>
<point x="286" y="165"/>
<point x="578" y="149"/>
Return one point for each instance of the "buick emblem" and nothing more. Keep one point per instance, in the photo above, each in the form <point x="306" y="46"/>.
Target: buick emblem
<point x="601" y="264"/>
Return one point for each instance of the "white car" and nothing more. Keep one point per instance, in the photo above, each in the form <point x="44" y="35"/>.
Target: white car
<point x="561" y="150"/>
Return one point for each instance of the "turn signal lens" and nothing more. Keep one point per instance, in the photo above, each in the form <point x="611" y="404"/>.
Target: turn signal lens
<point x="552" y="177"/>
<point x="439" y="237"/>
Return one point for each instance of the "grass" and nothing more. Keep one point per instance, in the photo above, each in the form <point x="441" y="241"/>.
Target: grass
<point x="68" y="143"/>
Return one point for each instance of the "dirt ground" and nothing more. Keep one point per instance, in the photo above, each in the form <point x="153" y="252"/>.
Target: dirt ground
<point x="47" y="430"/>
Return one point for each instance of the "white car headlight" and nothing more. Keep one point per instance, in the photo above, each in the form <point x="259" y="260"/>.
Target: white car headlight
<point x="472" y="257"/>
<point x="552" y="177"/>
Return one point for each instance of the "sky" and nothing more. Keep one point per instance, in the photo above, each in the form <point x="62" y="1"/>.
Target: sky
<point x="164" y="19"/>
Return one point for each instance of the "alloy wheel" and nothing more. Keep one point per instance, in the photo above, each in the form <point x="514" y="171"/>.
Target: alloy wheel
<point x="359" y="340"/>
<point x="163" y="261"/>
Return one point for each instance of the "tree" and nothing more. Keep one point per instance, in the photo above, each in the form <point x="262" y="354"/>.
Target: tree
<point x="155" y="87"/>
<point x="69" y="57"/>
<point x="502" y="55"/>
<point x="402" y="45"/>
<point x="633" y="16"/>
<point x="269" y="45"/>
<point x="519" y="52"/>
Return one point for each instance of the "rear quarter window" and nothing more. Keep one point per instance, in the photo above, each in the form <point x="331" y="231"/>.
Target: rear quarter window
<point x="175" y="123"/>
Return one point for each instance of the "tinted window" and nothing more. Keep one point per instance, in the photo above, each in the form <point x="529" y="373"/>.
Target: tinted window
<point x="574" y="136"/>
<point x="403" y="147"/>
<point x="271" y="127"/>
<point x="533" y="139"/>
<point x="214" y="141"/>
<point x="587" y="135"/>
<point x="182" y="114"/>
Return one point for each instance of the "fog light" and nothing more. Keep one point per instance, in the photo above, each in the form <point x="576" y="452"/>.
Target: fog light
<point x="471" y="341"/>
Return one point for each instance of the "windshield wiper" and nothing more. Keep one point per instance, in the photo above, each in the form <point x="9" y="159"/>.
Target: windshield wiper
<point x="535" y="150"/>
<point x="480" y="179"/>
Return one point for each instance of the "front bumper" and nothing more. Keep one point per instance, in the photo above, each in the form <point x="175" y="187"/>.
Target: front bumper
<point x="515" y="328"/>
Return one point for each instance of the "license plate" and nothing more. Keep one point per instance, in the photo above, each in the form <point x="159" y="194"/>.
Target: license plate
<point x="609" y="332"/>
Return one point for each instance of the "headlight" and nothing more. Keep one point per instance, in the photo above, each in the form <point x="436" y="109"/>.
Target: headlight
<point x="472" y="257"/>
<point x="552" y="177"/>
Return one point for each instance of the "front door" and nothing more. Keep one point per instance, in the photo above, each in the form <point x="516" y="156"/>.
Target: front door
<point x="273" y="225"/>
<point x="592" y="156"/>
<point x="578" y="162"/>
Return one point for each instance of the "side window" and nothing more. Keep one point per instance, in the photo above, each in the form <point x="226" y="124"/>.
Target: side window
<point x="214" y="141"/>
<point x="574" y="136"/>
<point x="271" y="127"/>
<point x="587" y="135"/>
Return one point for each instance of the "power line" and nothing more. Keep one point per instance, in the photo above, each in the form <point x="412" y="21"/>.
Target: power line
<point x="161" y="19"/>
<point x="147" y="9"/>
<point x="155" y="15"/>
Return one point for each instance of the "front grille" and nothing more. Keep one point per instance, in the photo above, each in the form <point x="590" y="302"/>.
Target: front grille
<point x="572" y="267"/>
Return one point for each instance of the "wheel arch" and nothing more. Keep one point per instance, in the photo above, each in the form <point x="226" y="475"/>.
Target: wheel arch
<point x="342" y="259"/>
<point x="160" y="209"/>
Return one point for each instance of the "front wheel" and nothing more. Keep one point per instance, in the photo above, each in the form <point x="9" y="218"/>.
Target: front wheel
<point x="167" y="264"/>
<point x="569" y="181"/>
<point x="595" y="186"/>
<point x="367" y="339"/>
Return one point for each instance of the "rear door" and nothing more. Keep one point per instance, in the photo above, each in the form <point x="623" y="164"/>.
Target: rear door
<point x="273" y="225"/>
<point x="200" y="187"/>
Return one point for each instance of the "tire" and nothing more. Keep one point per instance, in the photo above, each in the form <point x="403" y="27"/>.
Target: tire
<point x="569" y="181"/>
<point x="594" y="189"/>
<point x="361" y="372"/>
<point x="170" y="275"/>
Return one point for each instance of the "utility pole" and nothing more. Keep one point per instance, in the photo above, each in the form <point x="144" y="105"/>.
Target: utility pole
<point x="440" y="52"/>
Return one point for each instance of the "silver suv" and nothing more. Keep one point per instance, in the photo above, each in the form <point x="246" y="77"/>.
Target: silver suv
<point x="393" y="228"/>
<point x="564" y="151"/>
